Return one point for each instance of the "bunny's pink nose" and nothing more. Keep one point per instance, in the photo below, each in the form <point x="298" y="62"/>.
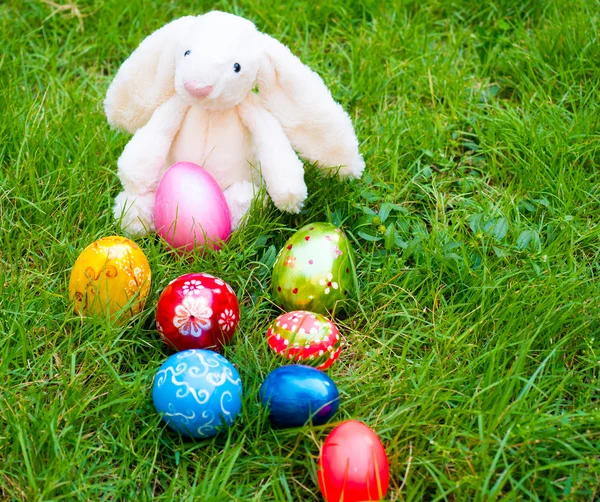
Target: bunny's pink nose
<point x="192" y="87"/>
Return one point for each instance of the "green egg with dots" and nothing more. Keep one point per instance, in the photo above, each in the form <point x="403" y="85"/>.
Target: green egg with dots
<point x="315" y="271"/>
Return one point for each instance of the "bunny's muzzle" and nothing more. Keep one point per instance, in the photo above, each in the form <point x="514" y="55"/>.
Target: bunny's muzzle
<point x="196" y="90"/>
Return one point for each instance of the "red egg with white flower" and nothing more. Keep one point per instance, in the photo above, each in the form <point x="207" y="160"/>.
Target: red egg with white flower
<point x="305" y="337"/>
<point x="197" y="311"/>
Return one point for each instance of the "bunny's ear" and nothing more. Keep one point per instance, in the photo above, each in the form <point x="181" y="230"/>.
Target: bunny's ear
<point x="318" y="128"/>
<point x="146" y="79"/>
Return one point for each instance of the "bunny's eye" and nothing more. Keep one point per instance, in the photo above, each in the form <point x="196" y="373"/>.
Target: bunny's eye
<point x="187" y="53"/>
<point x="237" y="68"/>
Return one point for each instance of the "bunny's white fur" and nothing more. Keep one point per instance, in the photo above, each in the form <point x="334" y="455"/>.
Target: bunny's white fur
<point x="181" y="96"/>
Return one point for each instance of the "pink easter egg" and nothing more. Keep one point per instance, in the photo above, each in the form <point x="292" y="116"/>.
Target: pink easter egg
<point x="190" y="209"/>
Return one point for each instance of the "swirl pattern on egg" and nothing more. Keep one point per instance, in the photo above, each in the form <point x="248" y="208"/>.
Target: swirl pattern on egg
<point x="197" y="392"/>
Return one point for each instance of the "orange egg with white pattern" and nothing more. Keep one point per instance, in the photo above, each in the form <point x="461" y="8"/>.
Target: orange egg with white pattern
<point x="111" y="276"/>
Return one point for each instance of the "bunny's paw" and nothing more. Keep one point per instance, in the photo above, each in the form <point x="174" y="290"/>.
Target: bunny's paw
<point x="239" y="198"/>
<point x="292" y="200"/>
<point x="135" y="213"/>
<point x="353" y="170"/>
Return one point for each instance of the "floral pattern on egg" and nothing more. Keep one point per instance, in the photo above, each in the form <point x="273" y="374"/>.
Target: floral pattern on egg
<point x="197" y="311"/>
<point x="305" y="337"/>
<point x="315" y="270"/>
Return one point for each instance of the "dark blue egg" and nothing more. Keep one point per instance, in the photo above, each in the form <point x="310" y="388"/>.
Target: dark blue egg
<point x="298" y="394"/>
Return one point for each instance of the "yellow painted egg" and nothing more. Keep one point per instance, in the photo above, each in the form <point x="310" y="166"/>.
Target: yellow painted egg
<point x="111" y="275"/>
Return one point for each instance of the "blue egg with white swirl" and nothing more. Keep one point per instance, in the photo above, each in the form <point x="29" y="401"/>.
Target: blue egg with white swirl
<point x="297" y="394"/>
<point x="198" y="392"/>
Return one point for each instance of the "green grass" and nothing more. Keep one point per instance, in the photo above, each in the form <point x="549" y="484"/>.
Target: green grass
<point x="475" y="349"/>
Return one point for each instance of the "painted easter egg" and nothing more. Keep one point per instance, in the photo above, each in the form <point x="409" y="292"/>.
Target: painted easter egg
<point x="190" y="209"/>
<point x="315" y="270"/>
<point x="197" y="392"/>
<point x="353" y="465"/>
<point x="296" y="395"/>
<point x="306" y="337"/>
<point x="197" y="311"/>
<point x="111" y="276"/>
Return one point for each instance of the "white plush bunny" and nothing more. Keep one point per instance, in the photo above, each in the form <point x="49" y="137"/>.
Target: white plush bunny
<point x="215" y="91"/>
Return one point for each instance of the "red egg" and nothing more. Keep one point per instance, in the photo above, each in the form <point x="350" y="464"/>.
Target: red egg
<point x="353" y="466"/>
<point x="197" y="311"/>
<point x="305" y="337"/>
